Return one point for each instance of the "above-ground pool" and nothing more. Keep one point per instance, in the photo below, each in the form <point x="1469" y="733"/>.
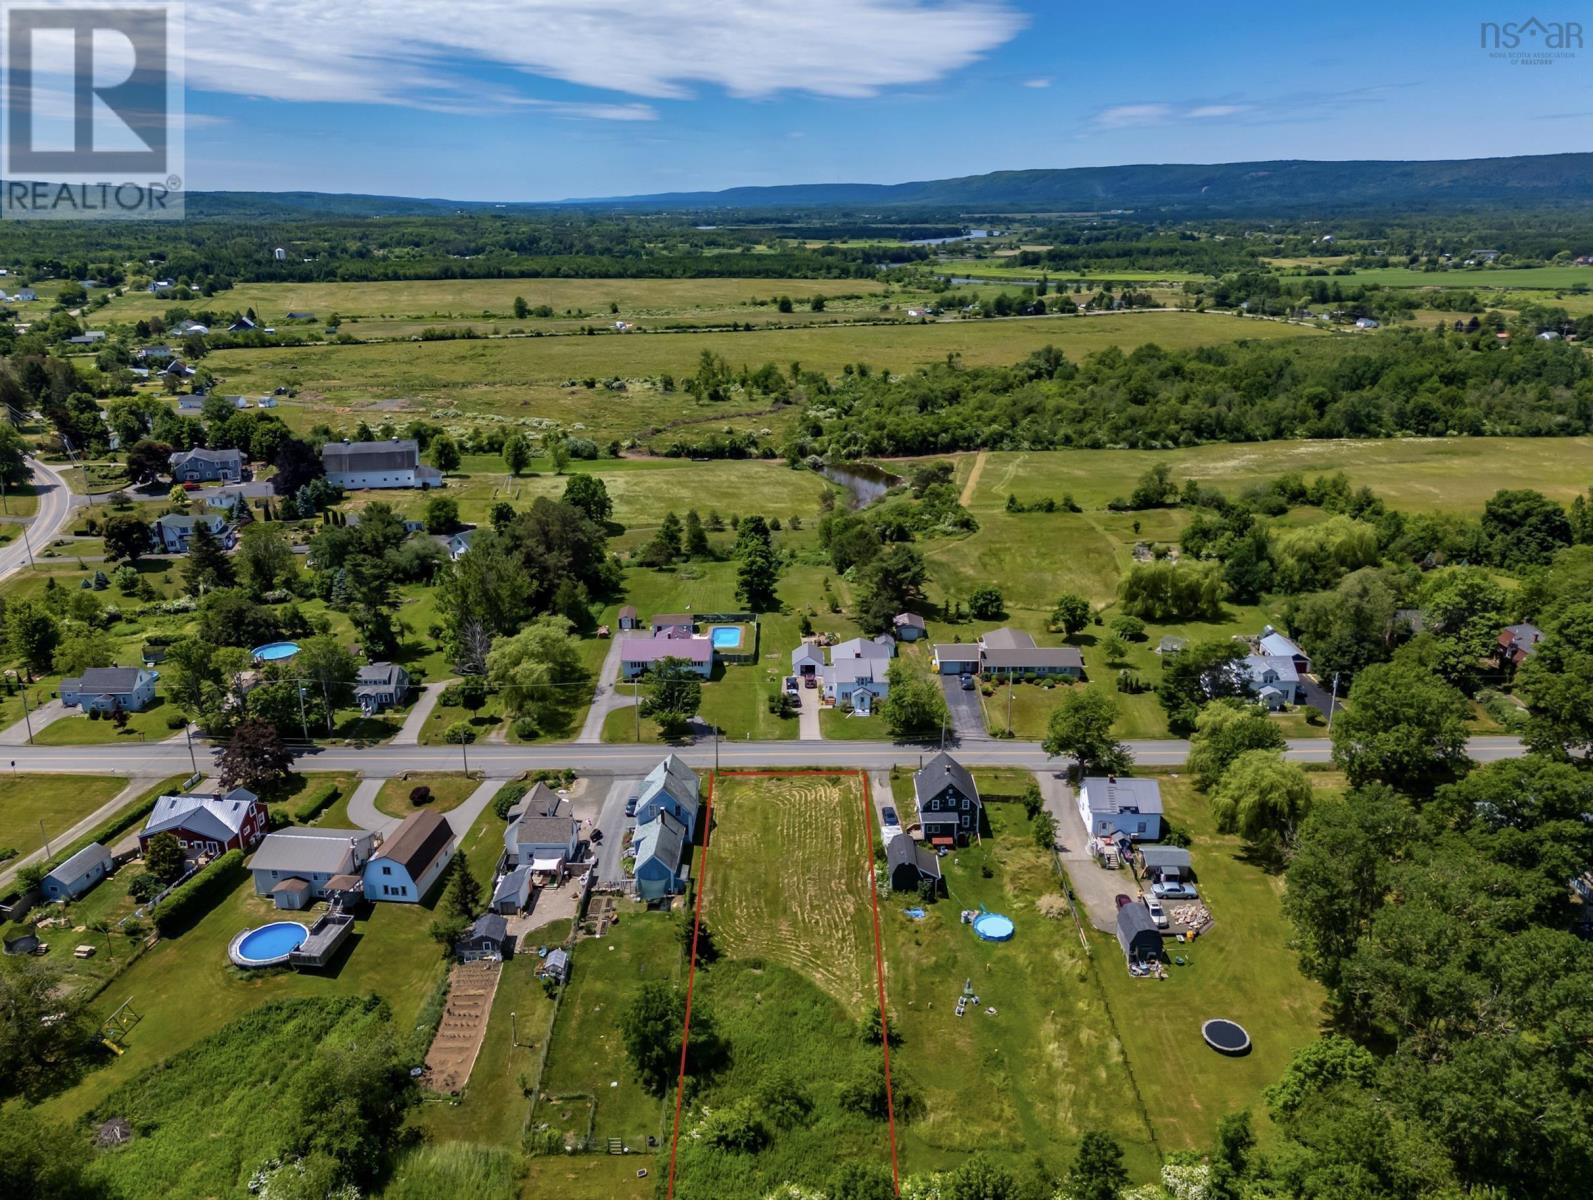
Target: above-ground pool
<point x="993" y="927"/>
<point x="726" y="637"/>
<point x="275" y="651"/>
<point x="268" y="945"/>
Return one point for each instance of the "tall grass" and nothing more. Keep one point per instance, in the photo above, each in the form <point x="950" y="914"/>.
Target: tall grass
<point x="452" y="1170"/>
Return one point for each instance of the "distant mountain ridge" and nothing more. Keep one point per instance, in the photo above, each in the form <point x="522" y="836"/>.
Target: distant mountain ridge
<point x="1282" y="187"/>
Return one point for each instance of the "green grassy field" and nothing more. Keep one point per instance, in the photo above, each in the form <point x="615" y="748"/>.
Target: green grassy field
<point x="788" y="879"/>
<point x="996" y="269"/>
<point x="586" y="1057"/>
<point x="185" y="989"/>
<point x="1491" y="277"/>
<point x="53" y="802"/>
<point x="541" y="377"/>
<point x="79" y="729"/>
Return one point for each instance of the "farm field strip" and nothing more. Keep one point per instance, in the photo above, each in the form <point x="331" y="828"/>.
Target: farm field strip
<point x="747" y="916"/>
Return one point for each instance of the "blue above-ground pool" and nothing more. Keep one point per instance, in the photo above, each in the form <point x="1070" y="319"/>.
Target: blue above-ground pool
<point x="275" y="651"/>
<point x="993" y="927"/>
<point x="726" y="637"/>
<point x="268" y="945"/>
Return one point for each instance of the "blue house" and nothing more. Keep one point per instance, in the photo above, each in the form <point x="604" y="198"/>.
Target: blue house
<point x="671" y="787"/>
<point x="660" y="847"/>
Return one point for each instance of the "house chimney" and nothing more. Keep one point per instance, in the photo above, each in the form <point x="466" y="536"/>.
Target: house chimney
<point x="1111" y="779"/>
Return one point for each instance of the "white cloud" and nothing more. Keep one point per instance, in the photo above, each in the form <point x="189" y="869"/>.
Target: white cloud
<point x="1043" y="82"/>
<point x="1118" y="116"/>
<point x="420" y="54"/>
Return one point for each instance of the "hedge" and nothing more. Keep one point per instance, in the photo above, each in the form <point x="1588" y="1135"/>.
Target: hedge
<point x="191" y="900"/>
<point x="320" y="800"/>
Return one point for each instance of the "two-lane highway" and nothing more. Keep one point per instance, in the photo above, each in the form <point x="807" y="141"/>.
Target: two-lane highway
<point x="56" y="502"/>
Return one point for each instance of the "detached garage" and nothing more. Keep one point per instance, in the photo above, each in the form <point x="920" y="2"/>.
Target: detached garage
<point x="1138" y="935"/>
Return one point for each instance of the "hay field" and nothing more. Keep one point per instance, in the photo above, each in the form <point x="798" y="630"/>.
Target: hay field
<point x="788" y="879"/>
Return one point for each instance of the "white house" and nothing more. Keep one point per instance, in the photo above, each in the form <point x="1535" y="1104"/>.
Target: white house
<point x="1110" y="806"/>
<point x="105" y="689"/>
<point x="856" y="673"/>
<point x="639" y="654"/>
<point x="381" y="685"/>
<point x="77" y="874"/>
<point x="296" y="865"/>
<point x="390" y="464"/>
<point x="1273" y="679"/>
<point x="174" y="531"/>
<point x="459" y="544"/>
<point x="412" y="860"/>
<point x="542" y="835"/>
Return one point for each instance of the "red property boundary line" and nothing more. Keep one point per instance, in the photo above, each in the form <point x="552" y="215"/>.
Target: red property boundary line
<point x="879" y="954"/>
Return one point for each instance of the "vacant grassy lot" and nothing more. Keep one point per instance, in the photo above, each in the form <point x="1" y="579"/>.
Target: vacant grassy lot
<point x="53" y="802"/>
<point x="1242" y="969"/>
<point x="788" y="879"/>
<point x="587" y="1064"/>
<point x="1047" y="1065"/>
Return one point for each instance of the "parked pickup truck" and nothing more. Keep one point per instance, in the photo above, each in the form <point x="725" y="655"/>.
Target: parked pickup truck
<point x="1174" y="890"/>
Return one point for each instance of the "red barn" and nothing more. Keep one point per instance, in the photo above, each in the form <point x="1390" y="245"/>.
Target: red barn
<point x="204" y="824"/>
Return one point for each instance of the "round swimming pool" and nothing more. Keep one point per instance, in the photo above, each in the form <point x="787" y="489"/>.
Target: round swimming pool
<point x="993" y="927"/>
<point x="275" y="651"/>
<point x="268" y="945"/>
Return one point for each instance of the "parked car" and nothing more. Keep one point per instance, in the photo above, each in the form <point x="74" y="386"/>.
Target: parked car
<point x="1174" y="890"/>
<point x="967" y="683"/>
<point x="630" y="804"/>
<point x="1123" y="899"/>
<point x="791" y="684"/>
<point x="810" y="681"/>
<point x="190" y="486"/>
<point x="888" y="814"/>
<point x="1158" y="914"/>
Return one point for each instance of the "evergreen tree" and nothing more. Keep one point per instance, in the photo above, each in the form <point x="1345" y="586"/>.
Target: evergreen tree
<point x="208" y="566"/>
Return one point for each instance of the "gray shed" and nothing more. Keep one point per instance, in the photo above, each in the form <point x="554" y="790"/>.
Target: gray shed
<point x="1138" y="935"/>
<point x="77" y="874"/>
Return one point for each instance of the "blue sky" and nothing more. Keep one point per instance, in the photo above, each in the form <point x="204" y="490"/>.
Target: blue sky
<point x="547" y="99"/>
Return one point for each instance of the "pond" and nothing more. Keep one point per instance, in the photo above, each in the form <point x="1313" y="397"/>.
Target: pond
<point x="866" y="482"/>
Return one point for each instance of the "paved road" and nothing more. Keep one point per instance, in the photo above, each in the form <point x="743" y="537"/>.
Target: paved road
<point x="160" y="758"/>
<point x="56" y="502"/>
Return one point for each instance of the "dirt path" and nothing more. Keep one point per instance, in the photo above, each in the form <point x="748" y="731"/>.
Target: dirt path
<point x="463" y="1028"/>
<point x="973" y="478"/>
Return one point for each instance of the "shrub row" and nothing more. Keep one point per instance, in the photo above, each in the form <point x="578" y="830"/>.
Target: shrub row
<point x="317" y="803"/>
<point x="193" y="899"/>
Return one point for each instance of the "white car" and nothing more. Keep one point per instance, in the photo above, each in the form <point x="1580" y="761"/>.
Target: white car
<point x="1158" y="915"/>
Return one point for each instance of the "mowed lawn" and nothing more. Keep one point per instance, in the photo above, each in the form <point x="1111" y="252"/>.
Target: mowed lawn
<point x="448" y="792"/>
<point x="57" y="802"/>
<point x="587" y="1064"/>
<point x="185" y="989"/>
<point x="1242" y="970"/>
<point x="788" y="877"/>
<point x="1047" y="1065"/>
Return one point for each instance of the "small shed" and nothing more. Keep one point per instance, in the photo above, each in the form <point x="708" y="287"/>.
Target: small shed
<point x="1138" y="935"/>
<point x="484" y="941"/>
<point x="512" y="892"/>
<point x="77" y="874"/>
<point x="1165" y="862"/>
<point x="293" y="894"/>
<point x="555" y="966"/>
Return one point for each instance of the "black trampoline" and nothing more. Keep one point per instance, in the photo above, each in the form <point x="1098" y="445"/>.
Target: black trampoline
<point x="1226" y="1037"/>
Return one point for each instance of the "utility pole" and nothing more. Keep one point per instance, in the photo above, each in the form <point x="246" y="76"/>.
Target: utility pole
<point x="46" y="838"/>
<point x="188" y="731"/>
<point x="28" y="545"/>
<point x="464" y="749"/>
<point x="1009" y="701"/>
<point x="26" y="716"/>
<point x="636" y="696"/>
<point x="304" y="726"/>
<point x="1334" y="702"/>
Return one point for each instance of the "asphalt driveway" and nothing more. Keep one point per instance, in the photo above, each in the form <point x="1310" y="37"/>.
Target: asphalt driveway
<point x="967" y="713"/>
